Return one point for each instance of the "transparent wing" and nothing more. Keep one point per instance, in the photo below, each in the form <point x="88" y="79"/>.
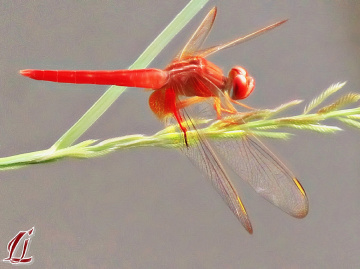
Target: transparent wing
<point x="203" y="156"/>
<point x="206" y="52"/>
<point x="257" y="165"/>
<point x="199" y="36"/>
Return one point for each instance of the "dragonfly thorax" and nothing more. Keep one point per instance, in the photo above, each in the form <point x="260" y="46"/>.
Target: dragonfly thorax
<point x="195" y="76"/>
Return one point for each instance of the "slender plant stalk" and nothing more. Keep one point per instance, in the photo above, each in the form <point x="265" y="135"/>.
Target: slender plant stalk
<point x="258" y="122"/>
<point x="109" y="97"/>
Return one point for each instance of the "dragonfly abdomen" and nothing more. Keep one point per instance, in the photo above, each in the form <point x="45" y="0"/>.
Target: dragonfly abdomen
<point x="143" y="78"/>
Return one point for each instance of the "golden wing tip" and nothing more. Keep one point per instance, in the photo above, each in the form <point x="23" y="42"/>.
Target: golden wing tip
<point x="243" y="217"/>
<point x="300" y="187"/>
<point x="305" y="209"/>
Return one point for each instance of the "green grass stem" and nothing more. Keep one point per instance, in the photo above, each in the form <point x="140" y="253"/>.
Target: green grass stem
<point x="256" y="122"/>
<point x="110" y="96"/>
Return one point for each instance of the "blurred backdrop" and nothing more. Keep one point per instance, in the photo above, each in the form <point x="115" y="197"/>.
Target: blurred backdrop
<point x="151" y="208"/>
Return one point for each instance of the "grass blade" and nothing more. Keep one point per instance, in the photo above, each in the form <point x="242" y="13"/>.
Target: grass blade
<point x="109" y="97"/>
<point x="318" y="100"/>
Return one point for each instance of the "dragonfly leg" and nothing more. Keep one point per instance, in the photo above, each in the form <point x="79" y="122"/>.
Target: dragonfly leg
<point x="163" y="103"/>
<point x="172" y="104"/>
<point x="220" y="108"/>
<point x="230" y="108"/>
<point x="241" y="104"/>
<point x="190" y="101"/>
<point x="180" y="120"/>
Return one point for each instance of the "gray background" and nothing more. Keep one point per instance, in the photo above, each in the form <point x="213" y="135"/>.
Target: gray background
<point x="150" y="208"/>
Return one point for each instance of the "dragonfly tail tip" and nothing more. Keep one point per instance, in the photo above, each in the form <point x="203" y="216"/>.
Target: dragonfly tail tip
<point x="26" y="72"/>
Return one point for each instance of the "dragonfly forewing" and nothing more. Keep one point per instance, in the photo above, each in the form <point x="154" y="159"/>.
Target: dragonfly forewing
<point x="199" y="36"/>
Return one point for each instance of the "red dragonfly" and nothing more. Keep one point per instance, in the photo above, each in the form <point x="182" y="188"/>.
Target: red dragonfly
<point x="190" y="79"/>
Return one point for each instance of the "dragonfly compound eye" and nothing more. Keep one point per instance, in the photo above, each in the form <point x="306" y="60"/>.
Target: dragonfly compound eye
<point x="242" y="83"/>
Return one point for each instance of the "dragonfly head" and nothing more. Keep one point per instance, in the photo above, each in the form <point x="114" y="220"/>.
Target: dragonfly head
<point x="242" y="84"/>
